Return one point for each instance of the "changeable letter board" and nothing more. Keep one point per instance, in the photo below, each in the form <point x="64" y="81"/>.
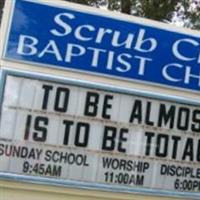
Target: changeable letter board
<point x="109" y="45"/>
<point x="94" y="135"/>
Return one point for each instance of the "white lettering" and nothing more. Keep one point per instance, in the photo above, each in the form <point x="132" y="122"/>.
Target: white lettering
<point x="51" y="48"/>
<point x="142" y="64"/>
<point x="127" y="43"/>
<point x="78" y="34"/>
<point x="26" y="45"/>
<point x="110" y="60"/>
<point x="176" y="49"/>
<point x="101" y="33"/>
<point x="189" y="75"/>
<point x="66" y="28"/>
<point x="96" y="53"/>
<point x="126" y="64"/>
<point x="74" y="50"/>
<point x="165" y="72"/>
<point x="141" y="41"/>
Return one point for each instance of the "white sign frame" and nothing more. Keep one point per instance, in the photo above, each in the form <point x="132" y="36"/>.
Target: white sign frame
<point x="84" y="185"/>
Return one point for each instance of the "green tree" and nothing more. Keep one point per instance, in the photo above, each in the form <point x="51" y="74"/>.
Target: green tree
<point x="161" y="10"/>
<point x="188" y="11"/>
<point x="153" y="9"/>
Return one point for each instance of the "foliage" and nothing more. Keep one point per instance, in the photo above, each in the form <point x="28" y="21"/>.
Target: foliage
<point x="161" y="10"/>
<point x="187" y="12"/>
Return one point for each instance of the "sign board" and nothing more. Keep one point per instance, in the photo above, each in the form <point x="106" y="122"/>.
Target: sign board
<point x="75" y="39"/>
<point x="98" y="135"/>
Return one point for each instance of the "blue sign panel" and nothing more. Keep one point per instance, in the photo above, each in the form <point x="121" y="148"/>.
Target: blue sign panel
<point x="73" y="39"/>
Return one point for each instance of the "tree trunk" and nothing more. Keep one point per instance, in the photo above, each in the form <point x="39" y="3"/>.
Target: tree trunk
<point x="126" y="6"/>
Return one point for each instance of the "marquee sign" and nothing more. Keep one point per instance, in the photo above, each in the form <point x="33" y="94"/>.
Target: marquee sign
<point x="74" y="39"/>
<point x="97" y="135"/>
